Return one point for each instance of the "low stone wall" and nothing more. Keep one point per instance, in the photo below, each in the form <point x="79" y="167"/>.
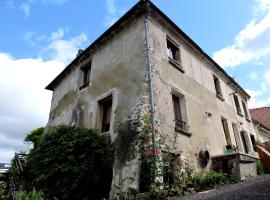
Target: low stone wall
<point x="241" y="166"/>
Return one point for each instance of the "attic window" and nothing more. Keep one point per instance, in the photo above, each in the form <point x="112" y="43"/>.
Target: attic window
<point x="85" y="76"/>
<point x="173" y="53"/>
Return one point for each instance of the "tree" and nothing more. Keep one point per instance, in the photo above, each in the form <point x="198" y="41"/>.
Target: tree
<point x="2" y="189"/>
<point x="71" y="163"/>
<point x="34" y="136"/>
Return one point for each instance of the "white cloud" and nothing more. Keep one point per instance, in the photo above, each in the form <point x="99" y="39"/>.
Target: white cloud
<point x="252" y="43"/>
<point x="24" y="103"/>
<point x="55" y="45"/>
<point x="10" y="4"/>
<point x="27" y="4"/>
<point x="113" y="12"/>
<point x="65" y="50"/>
<point x="254" y="102"/>
<point x="261" y="97"/>
<point x="34" y="38"/>
<point x="253" y="76"/>
<point x="26" y="9"/>
<point x="267" y="76"/>
<point x="57" y="34"/>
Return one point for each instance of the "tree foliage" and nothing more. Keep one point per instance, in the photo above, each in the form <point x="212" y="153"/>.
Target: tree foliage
<point x="2" y="189"/>
<point x="34" y="136"/>
<point x="71" y="163"/>
<point x="34" y="195"/>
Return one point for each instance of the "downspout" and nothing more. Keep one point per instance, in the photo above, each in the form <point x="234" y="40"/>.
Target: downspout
<point x="150" y="80"/>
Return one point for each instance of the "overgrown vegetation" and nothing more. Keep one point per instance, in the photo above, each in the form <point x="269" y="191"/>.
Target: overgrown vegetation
<point x="3" y="191"/>
<point x="178" y="176"/>
<point x="33" y="195"/>
<point x="259" y="168"/>
<point x="34" y="136"/>
<point x="67" y="162"/>
<point x="125" y="143"/>
<point x="150" y="158"/>
<point x="199" y="181"/>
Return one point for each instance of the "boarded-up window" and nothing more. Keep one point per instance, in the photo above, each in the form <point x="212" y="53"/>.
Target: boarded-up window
<point x="226" y="131"/>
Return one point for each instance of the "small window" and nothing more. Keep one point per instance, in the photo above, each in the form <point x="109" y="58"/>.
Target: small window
<point x="245" y="141"/>
<point x="237" y="137"/>
<point x="253" y="141"/>
<point x="245" y="110"/>
<point x="237" y="105"/>
<point x="217" y="87"/>
<point x="180" y="116"/>
<point x="226" y="131"/>
<point x="173" y="53"/>
<point x="85" y="76"/>
<point x="106" y="112"/>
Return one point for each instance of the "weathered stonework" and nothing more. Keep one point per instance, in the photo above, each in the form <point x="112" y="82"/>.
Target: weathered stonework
<point x="119" y="68"/>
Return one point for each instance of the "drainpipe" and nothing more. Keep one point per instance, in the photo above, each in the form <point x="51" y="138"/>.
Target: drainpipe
<point x="150" y="80"/>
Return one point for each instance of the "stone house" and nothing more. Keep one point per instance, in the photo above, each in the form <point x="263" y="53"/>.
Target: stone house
<point x="145" y="65"/>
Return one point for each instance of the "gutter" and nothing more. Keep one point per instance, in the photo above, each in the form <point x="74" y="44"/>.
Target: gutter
<point x="150" y="80"/>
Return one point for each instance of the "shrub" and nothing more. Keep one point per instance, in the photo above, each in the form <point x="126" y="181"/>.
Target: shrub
<point x="201" y="181"/>
<point x="34" y="195"/>
<point x="71" y="163"/>
<point x="34" y="136"/>
<point x="2" y="190"/>
<point x="259" y="168"/>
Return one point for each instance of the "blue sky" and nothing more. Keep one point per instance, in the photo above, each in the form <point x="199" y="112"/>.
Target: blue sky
<point x="39" y="38"/>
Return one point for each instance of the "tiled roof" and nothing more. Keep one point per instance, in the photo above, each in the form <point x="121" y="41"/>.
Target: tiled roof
<point x="261" y="115"/>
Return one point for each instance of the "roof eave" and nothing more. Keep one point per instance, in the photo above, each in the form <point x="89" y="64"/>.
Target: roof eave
<point x="139" y="5"/>
<point x="126" y="16"/>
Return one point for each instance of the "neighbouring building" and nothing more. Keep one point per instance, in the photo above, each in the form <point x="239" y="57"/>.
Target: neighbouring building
<point x="145" y="65"/>
<point x="4" y="167"/>
<point x="261" y="120"/>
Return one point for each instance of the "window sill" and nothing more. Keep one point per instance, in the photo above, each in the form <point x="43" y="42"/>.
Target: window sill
<point x="179" y="130"/>
<point x="240" y="114"/>
<point x="84" y="85"/>
<point x="220" y="97"/>
<point x="176" y="64"/>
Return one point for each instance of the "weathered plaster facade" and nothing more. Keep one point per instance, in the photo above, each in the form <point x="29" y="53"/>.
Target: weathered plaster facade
<point x="195" y="83"/>
<point x="119" y="68"/>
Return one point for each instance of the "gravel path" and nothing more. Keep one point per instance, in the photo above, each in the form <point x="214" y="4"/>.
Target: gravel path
<point x="253" y="189"/>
